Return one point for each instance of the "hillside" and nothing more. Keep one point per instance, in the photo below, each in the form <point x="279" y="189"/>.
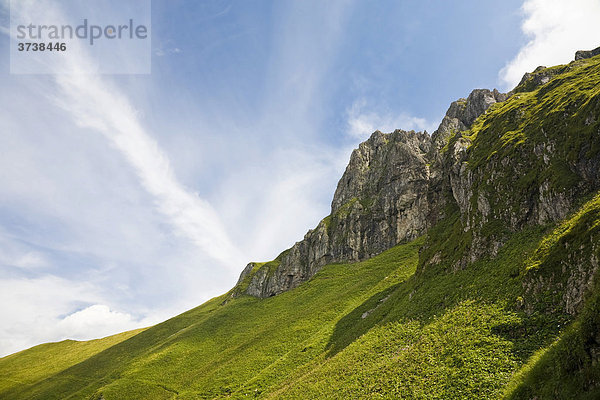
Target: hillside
<point x="460" y="265"/>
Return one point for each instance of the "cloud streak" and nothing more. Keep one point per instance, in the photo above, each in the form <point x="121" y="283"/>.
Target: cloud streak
<point x="94" y="103"/>
<point x="57" y="234"/>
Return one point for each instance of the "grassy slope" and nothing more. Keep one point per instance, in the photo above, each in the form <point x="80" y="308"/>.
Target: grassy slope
<point x="436" y="336"/>
<point x="564" y="111"/>
<point x="569" y="367"/>
<point x="40" y="362"/>
<point x="431" y="336"/>
<point x="376" y="329"/>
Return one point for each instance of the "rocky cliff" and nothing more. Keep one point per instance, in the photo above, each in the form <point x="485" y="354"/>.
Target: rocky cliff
<point x="583" y="54"/>
<point x="496" y="164"/>
<point x="381" y="200"/>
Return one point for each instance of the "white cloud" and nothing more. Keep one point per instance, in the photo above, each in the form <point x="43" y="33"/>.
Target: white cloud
<point x="13" y="254"/>
<point x="556" y="29"/>
<point x="161" y="52"/>
<point x="362" y="121"/>
<point x="295" y="188"/>
<point x="95" y="321"/>
<point x="38" y="306"/>
<point x="28" y="260"/>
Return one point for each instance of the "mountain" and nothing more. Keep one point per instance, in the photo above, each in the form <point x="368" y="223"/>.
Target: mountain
<point x="456" y="265"/>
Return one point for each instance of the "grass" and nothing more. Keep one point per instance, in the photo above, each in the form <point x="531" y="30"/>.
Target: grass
<point x="40" y="362"/>
<point x="573" y="231"/>
<point x="568" y="368"/>
<point x="452" y="356"/>
<point x="367" y="330"/>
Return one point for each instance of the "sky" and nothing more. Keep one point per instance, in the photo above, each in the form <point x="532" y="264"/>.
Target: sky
<point x="126" y="199"/>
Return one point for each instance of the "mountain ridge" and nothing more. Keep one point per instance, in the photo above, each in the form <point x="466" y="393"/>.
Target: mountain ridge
<point x="396" y="186"/>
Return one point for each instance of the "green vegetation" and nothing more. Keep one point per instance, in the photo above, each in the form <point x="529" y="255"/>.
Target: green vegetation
<point x="568" y="368"/>
<point x="574" y="231"/>
<point x="340" y="215"/>
<point x="243" y="347"/>
<point x="40" y="362"/>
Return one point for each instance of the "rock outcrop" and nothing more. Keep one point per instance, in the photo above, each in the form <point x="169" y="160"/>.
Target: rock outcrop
<point x="565" y="265"/>
<point x="463" y="112"/>
<point x="583" y="54"/>
<point x="539" y="77"/>
<point x="528" y="162"/>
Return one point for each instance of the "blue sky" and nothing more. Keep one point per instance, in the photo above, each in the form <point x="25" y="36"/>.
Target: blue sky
<point x="126" y="199"/>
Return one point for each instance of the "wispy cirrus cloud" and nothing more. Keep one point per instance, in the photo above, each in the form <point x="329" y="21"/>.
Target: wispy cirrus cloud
<point x="95" y="103"/>
<point x="67" y="217"/>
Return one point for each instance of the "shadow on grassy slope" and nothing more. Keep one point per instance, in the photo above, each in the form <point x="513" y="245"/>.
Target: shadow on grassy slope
<point x="569" y="368"/>
<point x="558" y="364"/>
<point x="433" y="292"/>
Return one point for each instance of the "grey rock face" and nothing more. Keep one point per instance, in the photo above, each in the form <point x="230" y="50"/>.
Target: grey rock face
<point x="383" y="198"/>
<point x="378" y="203"/>
<point x="246" y="272"/>
<point x="379" y="163"/>
<point x="582" y="54"/>
<point x="491" y="203"/>
<point x="509" y="190"/>
<point x="476" y="104"/>
<point x="450" y="176"/>
<point x="568" y="283"/>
